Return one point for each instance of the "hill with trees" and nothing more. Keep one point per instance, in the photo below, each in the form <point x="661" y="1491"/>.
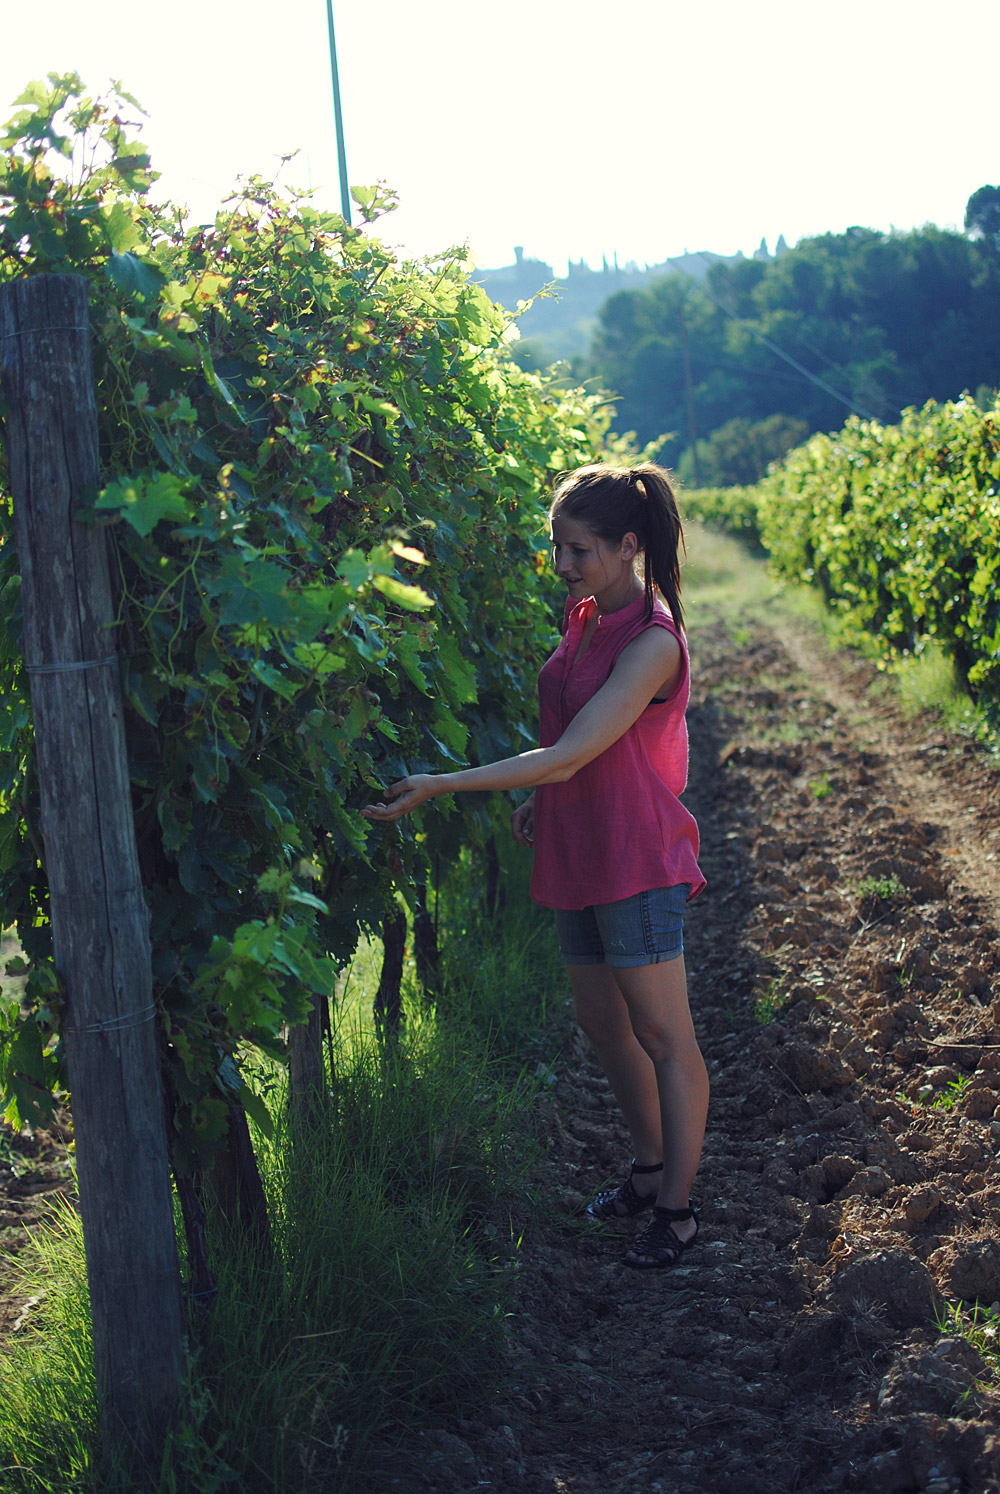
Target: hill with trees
<point x="562" y="317"/>
<point x="746" y="362"/>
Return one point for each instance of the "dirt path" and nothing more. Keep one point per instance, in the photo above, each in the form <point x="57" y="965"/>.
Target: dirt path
<point x="850" y="1179"/>
<point x="934" y="779"/>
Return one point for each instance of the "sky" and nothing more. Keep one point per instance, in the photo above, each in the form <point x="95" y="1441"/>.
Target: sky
<point x="575" y="128"/>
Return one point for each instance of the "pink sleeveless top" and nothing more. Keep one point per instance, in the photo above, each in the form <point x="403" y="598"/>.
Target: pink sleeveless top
<point x="617" y="827"/>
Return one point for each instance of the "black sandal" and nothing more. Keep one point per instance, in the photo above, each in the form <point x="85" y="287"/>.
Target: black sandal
<point x="661" y="1241"/>
<point x="632" y="1203"/>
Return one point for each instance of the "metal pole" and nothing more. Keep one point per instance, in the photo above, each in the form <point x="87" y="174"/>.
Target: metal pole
<point x="345" y="191"/>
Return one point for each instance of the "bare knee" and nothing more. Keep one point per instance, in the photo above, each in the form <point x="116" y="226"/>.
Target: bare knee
<point x="605" y="1029"/>
<point x="665" y="1046"/>
<point x="599" y="1006"/>
<point x="655" y="1043"/>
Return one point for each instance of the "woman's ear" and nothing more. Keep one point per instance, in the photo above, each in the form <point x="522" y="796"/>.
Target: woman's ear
<point x="630" y="545"/>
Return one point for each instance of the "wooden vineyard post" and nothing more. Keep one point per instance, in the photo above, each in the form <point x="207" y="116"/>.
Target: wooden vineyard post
<point x="100" y="924"/>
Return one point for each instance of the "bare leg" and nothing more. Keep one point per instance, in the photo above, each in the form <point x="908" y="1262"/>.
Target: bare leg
<point x="603" y="1015"/>
<point x="657" y="1002"/>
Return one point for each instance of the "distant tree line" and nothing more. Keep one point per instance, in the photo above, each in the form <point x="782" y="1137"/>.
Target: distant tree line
<point x="762" y="352"/>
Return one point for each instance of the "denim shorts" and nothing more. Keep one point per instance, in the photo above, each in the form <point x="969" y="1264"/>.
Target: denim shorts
<point x="642" y="930"/>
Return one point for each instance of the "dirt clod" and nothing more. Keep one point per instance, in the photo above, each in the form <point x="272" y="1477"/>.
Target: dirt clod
<point x="969" y="1269"/>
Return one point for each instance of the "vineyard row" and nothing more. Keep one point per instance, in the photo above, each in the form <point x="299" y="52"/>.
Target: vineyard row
<point x="899" y="528"/>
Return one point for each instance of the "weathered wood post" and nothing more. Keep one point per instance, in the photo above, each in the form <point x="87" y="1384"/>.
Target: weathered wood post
<point x="100" y="923"/>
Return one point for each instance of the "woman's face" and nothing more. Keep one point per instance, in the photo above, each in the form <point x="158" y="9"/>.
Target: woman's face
<point x="590" y="566"/>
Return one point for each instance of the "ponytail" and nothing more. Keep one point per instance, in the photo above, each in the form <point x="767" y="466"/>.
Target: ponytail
<point x="612" y="501"/>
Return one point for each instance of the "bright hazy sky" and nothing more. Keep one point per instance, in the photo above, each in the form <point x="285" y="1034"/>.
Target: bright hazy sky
<point x="574" y="127"/>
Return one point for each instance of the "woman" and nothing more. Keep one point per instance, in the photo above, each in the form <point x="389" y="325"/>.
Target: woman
<point x="615" y="851"/>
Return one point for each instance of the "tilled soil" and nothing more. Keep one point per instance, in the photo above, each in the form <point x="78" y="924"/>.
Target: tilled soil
<point x="849" y="1188"/>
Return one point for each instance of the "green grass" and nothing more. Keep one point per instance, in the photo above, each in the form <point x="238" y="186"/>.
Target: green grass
<point x="396" y="1224"/>
<point x="952" y="1093"/>
<point x="48" y="1417"/>
<point x="978" y="1325"/>
<point x="888" y="889"/>
<point x="721" y="576"/>
<point x="769" y="1003"/>
<point x="928" y="682"/>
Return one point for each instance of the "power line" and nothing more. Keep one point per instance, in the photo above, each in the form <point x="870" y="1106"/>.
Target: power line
<point x="747" y="370"/>
<point x="780" y="352"/>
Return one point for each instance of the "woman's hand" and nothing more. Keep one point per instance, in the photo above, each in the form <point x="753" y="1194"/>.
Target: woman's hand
<point x="406" y="795"/>
<point x="522" y="823"/>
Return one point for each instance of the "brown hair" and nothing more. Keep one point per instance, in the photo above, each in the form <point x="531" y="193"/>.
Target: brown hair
<point x="612" y="501"/>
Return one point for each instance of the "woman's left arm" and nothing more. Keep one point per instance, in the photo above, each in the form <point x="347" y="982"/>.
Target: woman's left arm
<point x="649" y="665"/>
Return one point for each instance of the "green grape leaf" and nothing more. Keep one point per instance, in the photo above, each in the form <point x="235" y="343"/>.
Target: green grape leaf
<point x="135" y="277"/>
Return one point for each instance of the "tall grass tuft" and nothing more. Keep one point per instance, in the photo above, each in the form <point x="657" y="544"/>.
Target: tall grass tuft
<point x="395" y="1218"/>
<point x="48" y="1413"/>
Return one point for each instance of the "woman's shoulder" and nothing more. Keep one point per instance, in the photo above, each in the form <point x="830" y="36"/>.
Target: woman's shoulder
<point x="658" y="623"/>
<point x="652" y="640"/>
<point x="657" y="642"/>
